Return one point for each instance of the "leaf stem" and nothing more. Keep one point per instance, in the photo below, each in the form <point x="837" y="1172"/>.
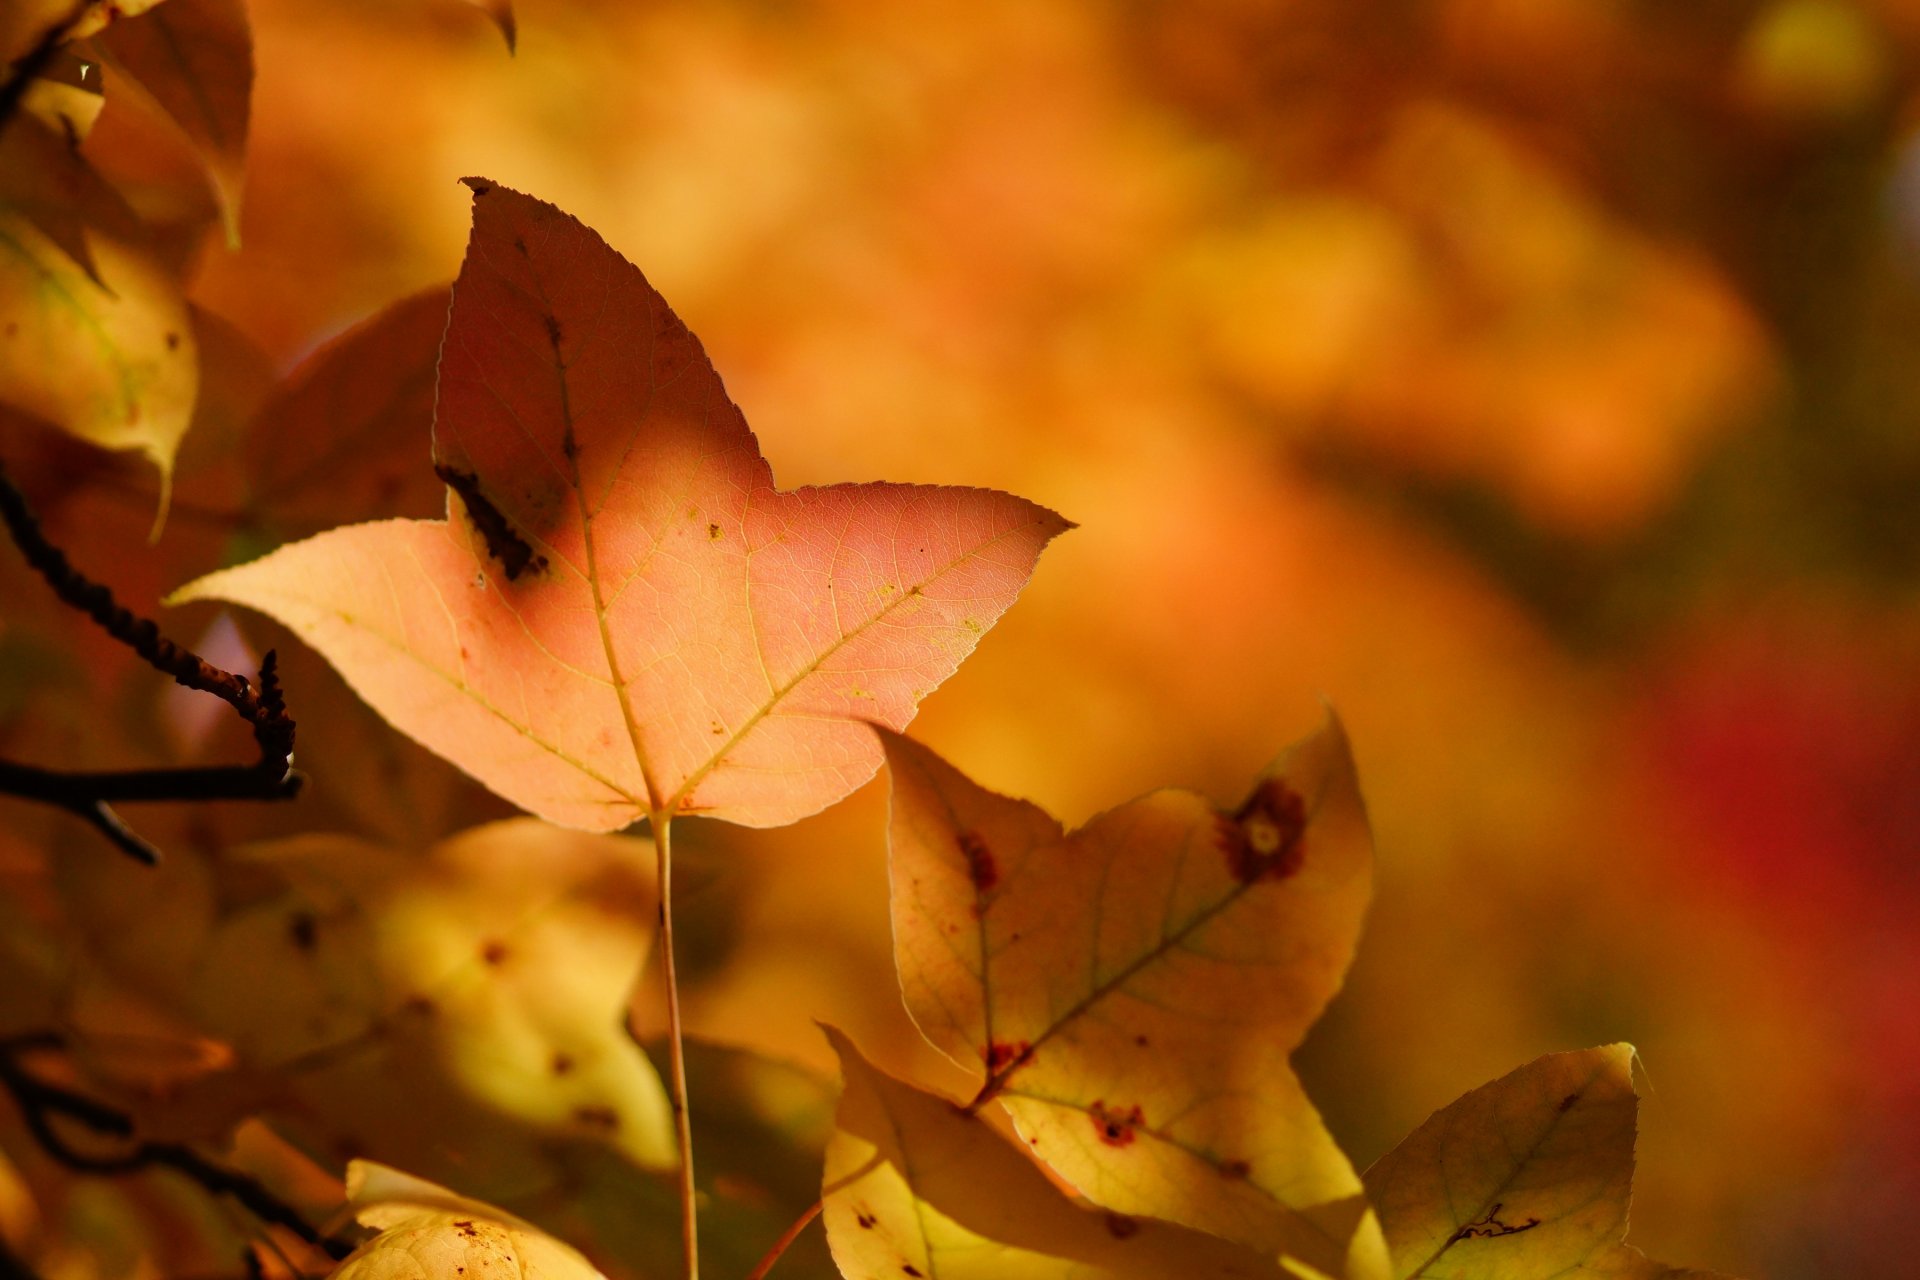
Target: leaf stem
<point x="662" y="826"/>
<point x="784" y="1243"/>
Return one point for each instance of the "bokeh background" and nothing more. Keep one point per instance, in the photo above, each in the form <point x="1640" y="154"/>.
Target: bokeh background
<point x="1537" y="381"/>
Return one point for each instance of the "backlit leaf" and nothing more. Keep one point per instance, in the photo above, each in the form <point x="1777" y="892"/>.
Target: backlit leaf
<point x="1132" y="991"/>
<point x="192" y="62"/>
<point x="377" y="1001"/>
<point x="1523" y="1178"/>
<point x="95" y="337"/>
<point x="916" y="1187"/>
<point x="428" y="1233"/>
<point x="622" y="615"/>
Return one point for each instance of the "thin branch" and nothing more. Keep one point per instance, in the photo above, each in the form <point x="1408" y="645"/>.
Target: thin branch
<point x="90" y="795"/>
<point x="784" y="1243"/>
<point x="41" y="1102"/>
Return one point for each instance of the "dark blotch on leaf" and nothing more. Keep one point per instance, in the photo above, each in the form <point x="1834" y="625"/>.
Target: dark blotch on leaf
<point x="1566" y="1103"/>
<point x="598" y="1116"/>
<point x="1120" y="1226"/>
<point x="981" y="868"/>
<point x="465" y="1227"/>
<point x="1003" y="1054"/>
<point x="1237" y="1170"/>
<point x="503" y="544"/>
<point x="865" y="1219"/>
<point x="1265" y="838"/>
<point x="1114" y="1124"/>
<point x="494" y="952"/>
<point x="562" y="1064"/>
<point x="304" y="930"/>
<point x="910" y="1269"/>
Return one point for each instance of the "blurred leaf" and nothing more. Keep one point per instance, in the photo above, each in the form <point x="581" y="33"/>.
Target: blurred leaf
<point x="95" y="337"/>
<point x="428" y="1233"/>
<point x="191" y="61"/>
<point x="501" y="12"/>
<point x="347" y="435"/>
<point x="1526" y="1177"/>
<point x="1132" y="991"/>
<point x="916" y="1187"/>
<point x="461" y="1012"/>
<point x="621" y="553"/>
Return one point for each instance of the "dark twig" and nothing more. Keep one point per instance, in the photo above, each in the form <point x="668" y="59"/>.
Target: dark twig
<point x="34" y="63"/>
<point x="89" y="795"/>
<point x="42" y="1103"/>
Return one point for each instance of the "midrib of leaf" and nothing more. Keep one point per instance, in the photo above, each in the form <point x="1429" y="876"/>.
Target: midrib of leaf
<point x="1168" y="942"/>
<point x="780" y="693"/>
<point x="927" y="1252"/>
<point x="1205" y="1158"/>
<point x="52" y="284"/>
<point x="1493" y="1197"/>
<point x="163" y="27"/>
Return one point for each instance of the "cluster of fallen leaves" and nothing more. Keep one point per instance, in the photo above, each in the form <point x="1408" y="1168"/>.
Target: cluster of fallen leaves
<point x="621" y="618"/>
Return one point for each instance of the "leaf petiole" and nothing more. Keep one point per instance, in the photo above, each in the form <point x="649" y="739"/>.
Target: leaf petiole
<point x="662" y="827"/>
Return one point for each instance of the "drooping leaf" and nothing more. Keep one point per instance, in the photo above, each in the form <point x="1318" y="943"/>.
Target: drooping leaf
<point x="429" y="1233"/>
<point x="95" y="337"/>
<point x="1528" y="1176"/>
<point x="622" y="615"/>
<point x="377" y="1002"/>
<point x="501" y="12"/>
<point x="1132" y="991"/>
<point x="914" y="1186"/>
<point x="191" y="62"/>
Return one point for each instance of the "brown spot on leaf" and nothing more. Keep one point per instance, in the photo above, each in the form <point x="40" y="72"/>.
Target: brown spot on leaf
<point x="1236" y="1170"/>
<point x="304" y="929"/>
<point x="553" y="330"/>
<point x="562" y="1064"/>
<point x="1566" y="1103"/>
<point x="1008" y="1054"/>
<point x="910" y="1269"/>
<point x="173" y="342"/>
<point x="494" y="952"/>
<point x="1265" y="838"/>
<point x="514" y="553"/>
<point x="714" y="532"/>
<point x="1490" y="1227"/>
<point x="981" y="868"/>
<point x="466" y="1228"/>
<point x="1120" y="1226"/>
<point x="419" y="1007"/>
<point x="865" y="1219"/>
<point x="598" y="1116"/>
<point x="1115" y="1125"/>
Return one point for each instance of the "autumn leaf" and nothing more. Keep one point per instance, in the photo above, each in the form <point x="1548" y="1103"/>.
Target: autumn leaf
<point x="1523" y="1178"/>
<point x="429" y="1233"/>
<point x="1132" y="991"/>
<point x="916" y="1187"/>
<point x="346" y="435"/>
<point x="95" y="336"/>
<point x="621" y="615"/>
<point x="191" y="63"/>
<point x="376" y="1001"/>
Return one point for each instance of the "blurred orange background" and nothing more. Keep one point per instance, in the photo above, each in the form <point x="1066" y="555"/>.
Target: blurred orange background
<point x="1534" y="380"/>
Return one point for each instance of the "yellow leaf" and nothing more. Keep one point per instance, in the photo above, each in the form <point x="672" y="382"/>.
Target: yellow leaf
<point x="1523" y="1178"/>
<point x="95" y="336"/>
<point x="916" y="1187"/>
<point x="429" y="1233"/>
<point x="461" y="1012"/>
<point x="1132" y="991"/>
